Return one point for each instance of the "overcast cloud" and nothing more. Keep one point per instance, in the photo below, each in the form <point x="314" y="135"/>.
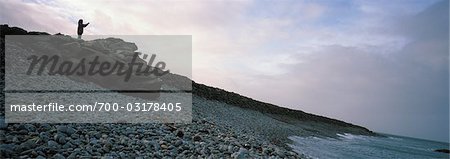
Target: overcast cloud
<point x="380" y="64"/>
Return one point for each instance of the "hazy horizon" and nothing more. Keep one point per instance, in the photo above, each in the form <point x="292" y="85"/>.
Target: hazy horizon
<point x="382" y="65"/>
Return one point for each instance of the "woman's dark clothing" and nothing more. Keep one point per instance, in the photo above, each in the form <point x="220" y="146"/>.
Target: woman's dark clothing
<point x="81" y="28"/>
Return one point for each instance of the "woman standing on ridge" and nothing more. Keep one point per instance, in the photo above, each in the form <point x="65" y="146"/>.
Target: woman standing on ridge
<point x="81" y="27"/>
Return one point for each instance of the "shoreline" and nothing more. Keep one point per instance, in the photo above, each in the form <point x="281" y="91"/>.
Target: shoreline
<point x="362" y="146"/>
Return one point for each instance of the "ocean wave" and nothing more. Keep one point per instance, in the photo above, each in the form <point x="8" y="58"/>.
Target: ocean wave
<point x="395" y="138"/>
<point x="349" y="136"/>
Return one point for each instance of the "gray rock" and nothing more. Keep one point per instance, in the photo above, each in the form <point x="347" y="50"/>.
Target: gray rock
<point x="155" y="145"/>
<point x="66" y="129"/>
<point x="52" y="145"/>
<point x="75" y="136"/>
<point x="15" y="139"/>
<point x="173" y="152"/>
<point x="113" y="154"/>
<point x="107" y="157"/>
<point x="40" y="157"/>
<point x="178" y="143"/>
<point x="93" y="141"/>
<point x="122" y="155"/>
<point x="2" y="136"/>
<point x="22" y="132"/>
<point x="247" y="146"/>
<point x="27" y="127"/>
<point x="73" y="155"/>
<point x="97" y="135"/>
<point x="58" y="156"/>
<point x="76" y="142"/>
<point x="159" y="154"/>
<point x="179" y="133"/>
<point x="230" y="149"/>
<point x="45" y="127"/>
<point x="60" y="138"/>
<point x="3" y="124"/>
<point x="241" y="154"/>
<point x="292" y="153"/>
<point x="44" y="136"/>
<point x="7" y="150"/>
<point x="29" y="144"/>
<point x="280" y="153"/>
<point x="197" y="138"/>
<point x="34" y="153"/>
<point x="67" y="145"/>
<point x="205" y="151"/>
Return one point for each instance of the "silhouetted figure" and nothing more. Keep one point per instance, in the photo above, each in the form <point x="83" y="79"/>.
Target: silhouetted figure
<point x="81" y="27"/>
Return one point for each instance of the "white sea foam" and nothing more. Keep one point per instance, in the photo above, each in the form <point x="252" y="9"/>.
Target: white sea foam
<point x="395" y="138"/>
<point x="352" y="137"/>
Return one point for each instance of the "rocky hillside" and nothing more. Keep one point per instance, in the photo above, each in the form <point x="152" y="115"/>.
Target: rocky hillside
<point x="225" y="124"/>
<point x="201" y="90"/>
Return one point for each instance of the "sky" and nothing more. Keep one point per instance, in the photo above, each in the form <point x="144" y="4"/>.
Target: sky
<point x="380" y="64"/>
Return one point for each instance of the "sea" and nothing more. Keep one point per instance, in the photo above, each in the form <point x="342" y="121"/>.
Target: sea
<point x="348" y="146"/>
